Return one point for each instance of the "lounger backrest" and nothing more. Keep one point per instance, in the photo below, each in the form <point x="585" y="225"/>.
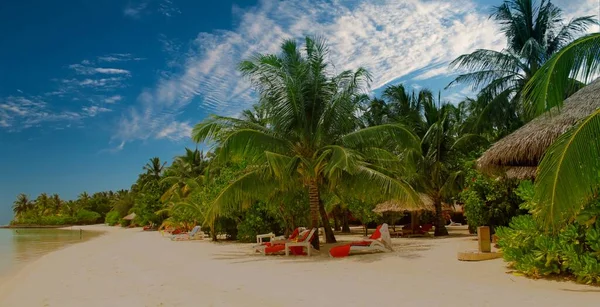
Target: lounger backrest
<point x="377" y="234"/>
<point x="385" y="235"/>
<point x="307" y="235"/>
<point x="295" y="233"/>
<point x="195" y="230"/>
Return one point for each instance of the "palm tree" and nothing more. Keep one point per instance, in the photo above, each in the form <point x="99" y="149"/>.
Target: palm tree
<point x="407" y="107"/>
<point x="56" y="203"/>
<point x="21" y="205"/>
<point x="533" y="34"/>
<point x="310" y="139"/>
<point x="154" y="167"/>
<point x="437" y="172"/>
<point x="42" y="204"/>
<point x="567" y="176"/>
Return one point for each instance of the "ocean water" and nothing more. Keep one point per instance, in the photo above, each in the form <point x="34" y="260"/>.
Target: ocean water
<point x="20" y="246"/>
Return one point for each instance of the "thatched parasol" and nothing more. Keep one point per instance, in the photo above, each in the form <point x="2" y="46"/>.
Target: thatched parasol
<point x="130" y="217"/>
<point x="519" y="153"/>
<point x="397" y="206"/>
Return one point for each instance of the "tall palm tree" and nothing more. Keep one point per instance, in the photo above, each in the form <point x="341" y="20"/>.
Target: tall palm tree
<point x="56" y="203"/>
<point x="310" y="139"/>
<point x="534" y="33"/>
<point x="567" y="176"/>
<point x="155" y="167"/>
<point x="42" y="204"/>
<point x="21" y="205"/>
<point x="407" y="107"/>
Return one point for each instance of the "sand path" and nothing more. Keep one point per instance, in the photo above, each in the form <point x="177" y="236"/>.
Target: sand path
<point x="127" y="267"/>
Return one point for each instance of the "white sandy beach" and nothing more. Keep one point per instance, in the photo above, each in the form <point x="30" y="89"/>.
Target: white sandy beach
<point x="128" y="267"/>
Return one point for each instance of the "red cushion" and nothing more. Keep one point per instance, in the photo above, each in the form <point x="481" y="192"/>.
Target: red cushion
<point x="340" y="251"/>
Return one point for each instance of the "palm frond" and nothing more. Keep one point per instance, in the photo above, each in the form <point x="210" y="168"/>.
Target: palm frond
<point x="377" y="136"/>
<point x="546" y="89"/>
<point x="567" y="177"/>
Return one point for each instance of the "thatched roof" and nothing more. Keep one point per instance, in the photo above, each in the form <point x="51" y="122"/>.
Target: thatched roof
<point x="130" y="217"/>
<point x="519" y="153"/>
<point x="396" y="206"/>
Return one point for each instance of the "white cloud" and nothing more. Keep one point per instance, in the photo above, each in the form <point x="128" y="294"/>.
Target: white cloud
<point x="119" y="57"/>
<point x="167" y="8"/>
<point x="135" y="11"/>
<point x="92" y="111"/>
<point x="113" y="99"/>
<point x="175" y="131"/>
<point x="573" y="9"/>
<point x="20" y="112"/>
<point x="390" y="38"/>
<point x="88" y="70"/>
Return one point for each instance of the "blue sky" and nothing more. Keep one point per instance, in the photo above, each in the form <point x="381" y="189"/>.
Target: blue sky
<point x="90" y="90"/>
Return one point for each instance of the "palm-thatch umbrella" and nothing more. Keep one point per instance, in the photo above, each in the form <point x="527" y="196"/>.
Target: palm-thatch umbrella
<point x="519" y="153"/>
<point x="393" y="205"/>
<point x="130" y="217"/>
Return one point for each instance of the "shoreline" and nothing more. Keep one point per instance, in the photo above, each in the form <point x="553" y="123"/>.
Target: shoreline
<point x="14" y="271"/>
<point x="130" y="267"/>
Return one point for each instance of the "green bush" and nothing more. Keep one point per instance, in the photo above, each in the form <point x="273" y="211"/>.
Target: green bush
<point x="84" y="216"/>
<point x="490" y="202"/>
<point x="112" y="218"/>
<point x="257" y="220"/>
<point x="575" y="249"/>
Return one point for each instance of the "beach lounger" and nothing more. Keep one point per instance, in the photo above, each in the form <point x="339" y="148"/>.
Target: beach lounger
<point x="280" y="246"/>
<point x="195" y="234"/>
<point x="298" y="246"/>
<point x="277" y="239"/>
<point x="379" y="241"/>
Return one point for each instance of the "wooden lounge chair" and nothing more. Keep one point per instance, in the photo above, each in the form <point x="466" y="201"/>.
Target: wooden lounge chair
<point x="195" y="234"/>
<point x="379" y="241"/>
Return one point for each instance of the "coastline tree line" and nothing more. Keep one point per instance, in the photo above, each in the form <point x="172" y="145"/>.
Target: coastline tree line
<point x="317" y="150"/>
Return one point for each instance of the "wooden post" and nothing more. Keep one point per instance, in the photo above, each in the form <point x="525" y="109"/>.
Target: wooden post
<point x="483" y="236"/>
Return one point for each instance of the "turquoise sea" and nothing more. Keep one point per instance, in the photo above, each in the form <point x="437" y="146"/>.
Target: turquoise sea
<point x="20" y="246"/>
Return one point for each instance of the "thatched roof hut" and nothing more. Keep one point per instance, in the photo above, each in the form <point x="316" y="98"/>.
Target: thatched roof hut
<point x="519" y="153"/>
<point x="396" y="206"/>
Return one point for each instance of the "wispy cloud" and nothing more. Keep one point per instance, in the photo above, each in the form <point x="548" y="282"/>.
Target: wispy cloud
<point x="175" y="131"/>
<point x="20" y="112"/>
<point x="392" y="39"/>
<point x="118" y="57"/>
<point x="163" y="7"/>
<point x="92" y="111"/>
<point x="135" y="10"/>
<point x="89" y="70"/>
<point x="113" y="99"/>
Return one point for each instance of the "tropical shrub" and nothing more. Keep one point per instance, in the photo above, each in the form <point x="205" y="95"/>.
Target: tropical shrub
<point x="574" y="249"/>
<point x="490" y="202"/>
<point x="112" y="218"/>
<point x="84" y="216"/>
<point x="257" y="220"/>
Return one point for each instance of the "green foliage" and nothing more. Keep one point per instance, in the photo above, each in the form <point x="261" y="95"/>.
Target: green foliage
<point x="574" y="249"/>
<point x="257" y="220"/>
<point x="491" y="202"/>
<point x="84" y="216"/>
<point x="112" y="218"/>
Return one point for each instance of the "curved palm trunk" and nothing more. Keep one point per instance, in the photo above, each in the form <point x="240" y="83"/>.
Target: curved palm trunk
<point x="314" y="202"/>
<point x="440" y="222"/>
<point x="329" y="236"/>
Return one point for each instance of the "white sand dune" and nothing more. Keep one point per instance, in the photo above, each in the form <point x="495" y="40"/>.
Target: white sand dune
<point x="128" y="267"/>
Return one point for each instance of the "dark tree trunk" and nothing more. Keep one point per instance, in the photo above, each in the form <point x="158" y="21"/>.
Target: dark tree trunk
<point x="336" y="218"/>
<point x="366" y="230"/>
<point x="329" y="235"/>
<point x="345" y="226"/>
<point x="314" y="201"/>
<point x="440" y="222"/>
